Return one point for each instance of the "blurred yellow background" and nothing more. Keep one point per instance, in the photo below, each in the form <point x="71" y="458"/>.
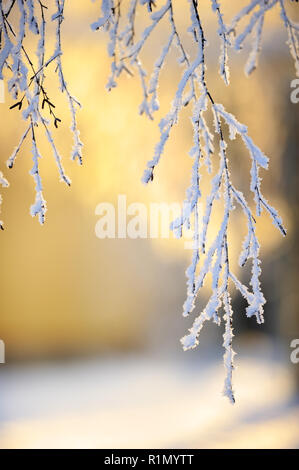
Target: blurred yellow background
<point x="67" y="295"/>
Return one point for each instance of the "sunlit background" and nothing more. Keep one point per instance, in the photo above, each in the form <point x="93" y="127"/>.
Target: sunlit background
<point x="92" y="327"/>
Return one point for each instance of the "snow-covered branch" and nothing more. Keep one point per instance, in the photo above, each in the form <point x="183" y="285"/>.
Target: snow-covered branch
<point x="208" y="258"/>
<point x="27" y="83"/>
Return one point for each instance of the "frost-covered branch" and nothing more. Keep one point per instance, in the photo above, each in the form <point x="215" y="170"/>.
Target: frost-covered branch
<point x="209" y="258"/>
<point x="256" y="11"/>
<point x="25" y="73"/>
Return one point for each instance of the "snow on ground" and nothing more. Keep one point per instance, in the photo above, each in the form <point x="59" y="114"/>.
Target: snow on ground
<point x="147" y="402"/>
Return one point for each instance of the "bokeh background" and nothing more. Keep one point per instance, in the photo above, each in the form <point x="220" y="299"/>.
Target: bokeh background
<point x="92" y="327"/>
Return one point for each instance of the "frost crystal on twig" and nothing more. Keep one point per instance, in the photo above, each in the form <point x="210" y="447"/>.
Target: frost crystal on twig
<point x="208" y="258"/>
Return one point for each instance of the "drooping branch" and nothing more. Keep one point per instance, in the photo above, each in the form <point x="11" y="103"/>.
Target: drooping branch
<point x="27" y="84"/>
<point x="214" y="257"/>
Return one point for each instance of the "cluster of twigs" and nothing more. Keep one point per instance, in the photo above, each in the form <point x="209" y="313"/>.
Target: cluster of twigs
<point x="25" y="73"/>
